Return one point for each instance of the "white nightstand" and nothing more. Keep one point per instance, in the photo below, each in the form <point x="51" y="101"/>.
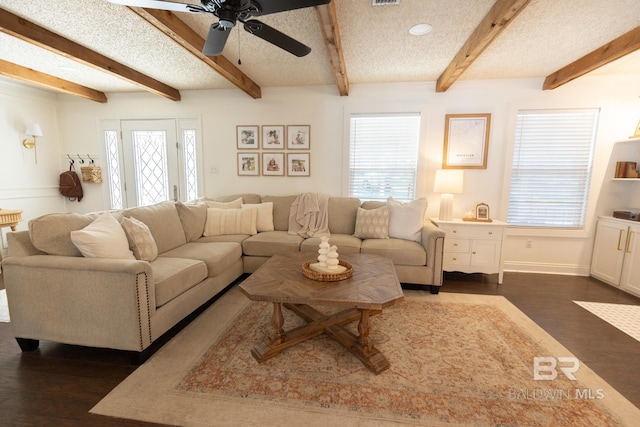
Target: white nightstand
<point x="473" y="247"/>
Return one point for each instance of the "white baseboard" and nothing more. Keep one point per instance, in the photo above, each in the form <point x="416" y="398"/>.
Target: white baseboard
<point x="564" y="269"/>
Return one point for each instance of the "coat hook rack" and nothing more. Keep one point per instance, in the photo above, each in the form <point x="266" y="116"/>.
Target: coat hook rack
<point x="80" y="158"/>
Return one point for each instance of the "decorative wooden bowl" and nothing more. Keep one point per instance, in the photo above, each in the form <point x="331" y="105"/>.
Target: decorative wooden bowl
<point x="327" y="277"/>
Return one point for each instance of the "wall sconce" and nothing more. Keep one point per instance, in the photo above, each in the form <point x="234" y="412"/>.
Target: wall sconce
<point x="33" y="129"/>
<point x="448" y="182"/>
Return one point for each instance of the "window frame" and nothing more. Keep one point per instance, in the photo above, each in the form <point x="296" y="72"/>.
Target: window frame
<point x="383" y="111"/>
<point x="540" y="230"/>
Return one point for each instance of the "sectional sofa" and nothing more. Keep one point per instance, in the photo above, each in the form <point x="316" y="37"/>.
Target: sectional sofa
<point x="66" y="284"/>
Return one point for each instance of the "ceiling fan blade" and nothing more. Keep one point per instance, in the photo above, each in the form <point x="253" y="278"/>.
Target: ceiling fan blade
<point x="266" y="7"/>
<point x="163" y="5"/>
<point x="216" y="39"/>
<point x="276" y="37"/>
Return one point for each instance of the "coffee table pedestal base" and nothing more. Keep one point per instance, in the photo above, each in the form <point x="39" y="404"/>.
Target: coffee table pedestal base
<point x="318" y="324"/>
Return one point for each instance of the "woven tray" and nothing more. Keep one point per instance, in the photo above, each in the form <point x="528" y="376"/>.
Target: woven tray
<point x="327" y="277"/>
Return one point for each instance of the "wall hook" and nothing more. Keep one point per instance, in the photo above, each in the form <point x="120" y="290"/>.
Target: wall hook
<point x="80" y="158"/>
<point x="70" y="159"/>
<point x="92" y="161"/>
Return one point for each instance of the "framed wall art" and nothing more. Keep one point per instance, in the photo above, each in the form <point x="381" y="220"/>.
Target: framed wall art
<point x="298" y="137"/>
<point x="272" y="137"/>
<point x="466" y="141"/>
<point x="248" y="164"/>
<point x="247" y="137"/>
<point x="273" y="164"/>
<point x="298" y="164"/>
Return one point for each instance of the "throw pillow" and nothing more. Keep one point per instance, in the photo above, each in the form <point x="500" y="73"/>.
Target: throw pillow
<point x="141" y="242"/>
<point x="236" y="204"/>
<point x="265" y="215"/>
<point x="193" y="218"/>
<point x="230" y="221"/>
<point x="407" y="219"/>
<point x="103" y="238"/>
<point x="372" y="223"/>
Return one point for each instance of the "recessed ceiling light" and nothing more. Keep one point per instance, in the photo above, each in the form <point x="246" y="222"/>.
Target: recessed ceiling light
<point x="420" y="29"/>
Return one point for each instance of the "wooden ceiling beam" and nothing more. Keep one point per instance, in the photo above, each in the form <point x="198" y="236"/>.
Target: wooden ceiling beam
<point x="498" y="18"/>
<point x="31" y="33"/>
<point x="328" y="19"/>
<point x="18" y="72"/>
<point x="615" y="49"/>
<point x="185" y="36"/>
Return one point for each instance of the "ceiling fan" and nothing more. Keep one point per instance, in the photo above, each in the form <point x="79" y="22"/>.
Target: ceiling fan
<point x="229" y="12"/>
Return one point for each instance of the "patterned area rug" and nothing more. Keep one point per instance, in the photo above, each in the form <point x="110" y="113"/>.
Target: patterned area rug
<point x="4" y="308"/>
<point x="455" y="360"/>
<point x="623" y="316"/>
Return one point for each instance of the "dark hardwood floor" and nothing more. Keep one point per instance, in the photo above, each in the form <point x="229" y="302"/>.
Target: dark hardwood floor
<point x="58" y="384"/>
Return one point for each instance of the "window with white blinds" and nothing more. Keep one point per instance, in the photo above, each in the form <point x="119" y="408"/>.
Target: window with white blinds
<point x="383" y="156"/>
<point x="551" y="171"/>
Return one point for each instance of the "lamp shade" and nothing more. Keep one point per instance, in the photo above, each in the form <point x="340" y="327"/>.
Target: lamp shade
<point x="33" y="129"/>
<point x="449" y="181"/>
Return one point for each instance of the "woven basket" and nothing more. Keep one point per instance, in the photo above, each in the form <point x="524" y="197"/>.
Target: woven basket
<point x="327" y="277"/>
<point x="91" y="174"/>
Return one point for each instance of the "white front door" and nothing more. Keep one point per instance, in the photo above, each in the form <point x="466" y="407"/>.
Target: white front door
<point x="151" y="161"/>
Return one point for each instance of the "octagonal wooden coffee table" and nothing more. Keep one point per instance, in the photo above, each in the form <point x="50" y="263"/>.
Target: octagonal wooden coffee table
<point x="373" y="286"/>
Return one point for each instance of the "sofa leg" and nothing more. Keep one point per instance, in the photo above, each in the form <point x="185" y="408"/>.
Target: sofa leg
<point x="27" y="344"/>
<point x="435" y="289"/>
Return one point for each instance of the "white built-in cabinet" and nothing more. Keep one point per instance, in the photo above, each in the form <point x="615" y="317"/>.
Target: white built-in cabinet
<point x="616" y="253"/>
<point x="473" y="247"/>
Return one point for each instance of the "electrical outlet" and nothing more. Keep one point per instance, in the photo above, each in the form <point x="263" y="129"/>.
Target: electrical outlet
<point x="213" y="169"/>
<point x="528" y="244"/>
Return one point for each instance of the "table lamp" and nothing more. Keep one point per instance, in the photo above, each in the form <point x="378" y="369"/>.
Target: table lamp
<point x="448" y="182"/>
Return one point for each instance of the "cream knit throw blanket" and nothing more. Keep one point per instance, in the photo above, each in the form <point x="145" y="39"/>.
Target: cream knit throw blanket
<point x="308" y="216"/>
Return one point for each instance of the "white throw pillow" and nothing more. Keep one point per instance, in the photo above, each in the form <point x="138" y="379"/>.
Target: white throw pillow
<point x="235" y="204"/>
<point x="407" y="219"/>
<point x="103" y="238"/>
<point x="230" y="221"/>
<point x="265" y="215"/>
<point x="141" y="241"/>
<point x="372" y="223"/>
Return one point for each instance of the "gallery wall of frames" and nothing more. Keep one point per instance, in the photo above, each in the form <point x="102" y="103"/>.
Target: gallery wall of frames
<point x="273" y="150"/>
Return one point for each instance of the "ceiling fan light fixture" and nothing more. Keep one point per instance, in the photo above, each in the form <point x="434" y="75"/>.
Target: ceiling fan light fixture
<point x="420" y="29"/>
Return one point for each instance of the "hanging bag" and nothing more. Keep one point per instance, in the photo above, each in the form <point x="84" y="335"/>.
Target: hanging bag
<point x="70" y="185"/>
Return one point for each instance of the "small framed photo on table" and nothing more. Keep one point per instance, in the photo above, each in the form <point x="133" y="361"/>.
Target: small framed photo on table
<point x="273" y="164"/>
<point x="272" y="137"/>
<point x="248" y="164"/>
<point x="298" y="137"/>
<point x="298" y="164"/>
<point x="247" y="137"/>
<point x="483" y="212"/>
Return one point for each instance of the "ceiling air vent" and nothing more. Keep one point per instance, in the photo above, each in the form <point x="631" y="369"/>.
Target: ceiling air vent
<point x="384" y="2"/>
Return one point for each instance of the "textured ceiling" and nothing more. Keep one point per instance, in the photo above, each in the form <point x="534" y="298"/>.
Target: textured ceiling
<point x="546" y="36"/>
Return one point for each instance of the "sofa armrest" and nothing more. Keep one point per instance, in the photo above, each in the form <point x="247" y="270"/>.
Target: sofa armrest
<point x="84" y="301"/>
<point x="433" y="242"/>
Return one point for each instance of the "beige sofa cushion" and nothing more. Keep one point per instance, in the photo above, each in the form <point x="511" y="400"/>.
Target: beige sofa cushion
<point x="407" y="219"/>
<point x="173" y="276"/>
<point x="281" y="209"/>
<point x="103" y="238"/>
<point x="346" y="244"/>
<point x="193" y="217"/>
<point x="400" y="251"/>
<point x="218" y="256"/>
<point x="372" y="223"/>
<point x="342" y="214"/>
<point x="164" y="223"/>
<point x="251" y="198"/>
<point x="52" y="233"/>
<point x="264" y="221"/>
<point x="231" y="221"/>
<point x="270" y="243"/>
<point x="140" y="239"/>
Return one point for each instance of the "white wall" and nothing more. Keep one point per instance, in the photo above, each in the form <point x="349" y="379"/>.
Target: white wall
<point x="327" y="113"/>
<point x="25" y="185"/>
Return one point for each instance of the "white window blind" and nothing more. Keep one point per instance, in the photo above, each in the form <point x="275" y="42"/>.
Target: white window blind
<point x="383" y="156"/>
<point x="551" y="171"/>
